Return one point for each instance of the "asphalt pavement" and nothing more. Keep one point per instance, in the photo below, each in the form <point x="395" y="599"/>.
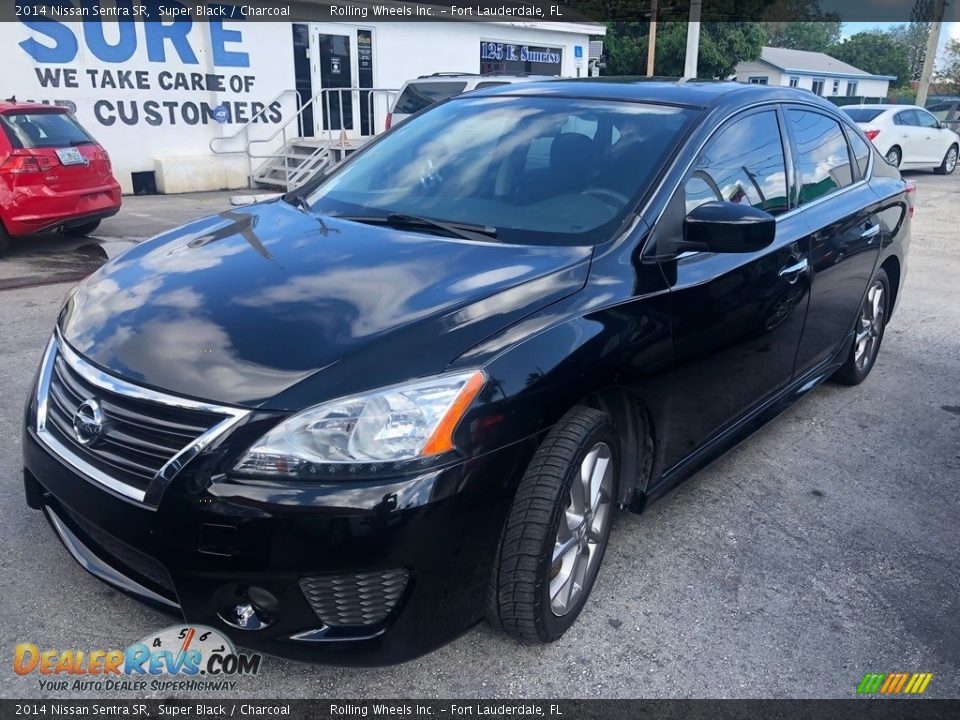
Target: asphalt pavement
<point x="825" y="546"/>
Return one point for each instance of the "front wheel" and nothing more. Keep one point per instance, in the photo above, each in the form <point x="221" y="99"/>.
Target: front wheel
<point x="871" y="322"/>
<point x="949" y="163"/>
<point x="4" y="239"/>
<point x="557" y="529"/>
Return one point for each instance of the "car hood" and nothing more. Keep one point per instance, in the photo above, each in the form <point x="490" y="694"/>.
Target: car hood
<point x="272" y="307"/>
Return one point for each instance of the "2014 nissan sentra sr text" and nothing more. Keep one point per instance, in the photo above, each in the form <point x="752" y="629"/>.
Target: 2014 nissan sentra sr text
<point x="346" y="424"/>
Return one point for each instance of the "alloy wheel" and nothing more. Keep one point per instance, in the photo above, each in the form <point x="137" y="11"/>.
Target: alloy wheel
<point x="893" y="157"/>
<point x="951" y="161"/>
<point x="870" y="326"/>
<point x="583" y="525"/>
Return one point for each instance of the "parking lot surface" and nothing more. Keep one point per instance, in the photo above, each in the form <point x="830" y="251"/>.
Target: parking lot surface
<point x="824" y="547"/>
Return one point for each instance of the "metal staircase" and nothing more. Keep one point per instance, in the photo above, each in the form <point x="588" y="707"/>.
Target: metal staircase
<point x="300" y="158"/>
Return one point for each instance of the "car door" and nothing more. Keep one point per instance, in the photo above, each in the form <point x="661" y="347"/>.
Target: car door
<point x="842" y="214"/>
<point x="905" y="125"/>
<point x="934" y="141"/>
<point x="736" y="318"/>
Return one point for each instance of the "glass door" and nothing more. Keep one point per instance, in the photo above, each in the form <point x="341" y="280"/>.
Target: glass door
<point x="336" y="75"/>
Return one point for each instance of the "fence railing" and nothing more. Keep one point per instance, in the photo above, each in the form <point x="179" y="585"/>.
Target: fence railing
<point x="335" y="126"/>
<point x="344" y="114"/>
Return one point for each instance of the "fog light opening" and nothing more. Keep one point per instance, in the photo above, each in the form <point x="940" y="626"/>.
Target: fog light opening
<point x="253" y="609"/>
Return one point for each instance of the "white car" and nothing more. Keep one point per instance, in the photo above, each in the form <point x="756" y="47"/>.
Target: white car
<point x="426" y="90"/>
<point x="908" y="136"/>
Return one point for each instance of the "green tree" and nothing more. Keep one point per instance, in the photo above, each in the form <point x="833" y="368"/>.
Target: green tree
<point x="950" y="66"/>
<point x="875" y="53"/>
<point x="913" y="36"/>
<point x="722" y="46"/>
<point x="812" y="36"/>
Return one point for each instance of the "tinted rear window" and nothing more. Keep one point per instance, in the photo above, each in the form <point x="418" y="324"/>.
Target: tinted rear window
<point x="862" y="115"/>
<point x="43" y="129"/>
<point x="417" y="96"/>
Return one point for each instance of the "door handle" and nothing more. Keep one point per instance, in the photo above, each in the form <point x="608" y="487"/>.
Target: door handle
<point x="793" y="272"/>
<point x="870" y="233"/>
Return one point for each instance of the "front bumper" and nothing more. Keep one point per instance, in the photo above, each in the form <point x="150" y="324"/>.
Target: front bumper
<point x="209" y="538"/>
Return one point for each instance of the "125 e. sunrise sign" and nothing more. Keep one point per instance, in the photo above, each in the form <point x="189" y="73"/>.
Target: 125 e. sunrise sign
<point x="506" y="58"/>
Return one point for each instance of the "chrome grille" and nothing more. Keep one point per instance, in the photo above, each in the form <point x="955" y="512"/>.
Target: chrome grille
<point x="354" y="600"/>
<point x="138" y="439"/>
<point x="146" y="436"/>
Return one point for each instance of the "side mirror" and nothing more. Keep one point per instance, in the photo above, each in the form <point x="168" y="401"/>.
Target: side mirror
<point x="726" y="227"/>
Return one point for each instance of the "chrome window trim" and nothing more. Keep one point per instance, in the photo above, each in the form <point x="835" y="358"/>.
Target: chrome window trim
<point x="775" y="104"/>
<point x="95" y="376"/>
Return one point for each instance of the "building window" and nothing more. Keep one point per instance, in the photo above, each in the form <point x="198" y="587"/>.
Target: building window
<point x="836" y="87"/>
<point x="852" y="88"/>
<point x="794" y="81"/>
<point x="758" y="80"/>
<point x="818" y="86"/>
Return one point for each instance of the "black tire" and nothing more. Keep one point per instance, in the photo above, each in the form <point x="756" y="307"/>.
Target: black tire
<point x="519" y="600"/>
<point x="855" y="370"/>
<point x="81" y="230"/>
<point x="4" y="240"/>
<point x="895" y="153"/>
<point x="949" y="163"/>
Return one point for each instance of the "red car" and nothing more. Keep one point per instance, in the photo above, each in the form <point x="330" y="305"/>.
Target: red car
<point x="53" y="174"/>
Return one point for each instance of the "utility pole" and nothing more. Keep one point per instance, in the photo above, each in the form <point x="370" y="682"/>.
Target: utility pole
<point x="652" y="38"/>
<point x="693" y="40"/>
<point x="933" y="41"/>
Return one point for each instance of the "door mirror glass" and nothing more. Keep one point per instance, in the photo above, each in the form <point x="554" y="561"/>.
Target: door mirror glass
<point x="726" y="227"/>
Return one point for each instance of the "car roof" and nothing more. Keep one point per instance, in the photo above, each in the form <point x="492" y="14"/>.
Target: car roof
<point x="691" y="93"/>
<point x="489" y="77"/>
<point x="6" y="107"/>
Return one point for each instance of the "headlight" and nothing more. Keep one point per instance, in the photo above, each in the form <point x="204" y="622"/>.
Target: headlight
<point x="399" y="423"/>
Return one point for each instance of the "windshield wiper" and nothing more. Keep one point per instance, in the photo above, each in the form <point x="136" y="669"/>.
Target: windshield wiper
<point x="478" y="233"/>
<point x="298" y="201"/>
<point x="76" y="143"/>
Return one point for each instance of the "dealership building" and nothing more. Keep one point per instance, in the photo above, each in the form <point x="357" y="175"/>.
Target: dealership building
<point x="188" y="105"/>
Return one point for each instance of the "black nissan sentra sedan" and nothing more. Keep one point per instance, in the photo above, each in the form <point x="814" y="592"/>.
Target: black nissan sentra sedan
<point x="346" y="424"/>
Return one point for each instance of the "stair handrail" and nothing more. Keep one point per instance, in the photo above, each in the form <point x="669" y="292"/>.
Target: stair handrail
<point x="325" y="92"/>
<point x="245" y="128"/>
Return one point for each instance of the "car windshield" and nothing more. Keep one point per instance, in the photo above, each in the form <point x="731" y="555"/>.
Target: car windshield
<point x="43" y="129"/>
<point x="863" y="115"/>
<point x="539" y="170"/>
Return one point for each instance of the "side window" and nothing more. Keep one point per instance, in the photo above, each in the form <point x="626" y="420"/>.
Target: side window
<point x="907" y="117"/>
<point x="823" y="158"/>
<point x="742" y="164"/>
<point x="925" y="119"/>
<point x="861" y="151"/>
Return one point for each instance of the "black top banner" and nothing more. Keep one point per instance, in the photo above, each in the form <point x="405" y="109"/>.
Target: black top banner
<point x="202" y="709"/>
<point x="472" y="10"/>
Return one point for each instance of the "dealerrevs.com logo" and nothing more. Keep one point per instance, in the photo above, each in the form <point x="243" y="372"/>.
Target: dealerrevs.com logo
<point x="191" y="657"/>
